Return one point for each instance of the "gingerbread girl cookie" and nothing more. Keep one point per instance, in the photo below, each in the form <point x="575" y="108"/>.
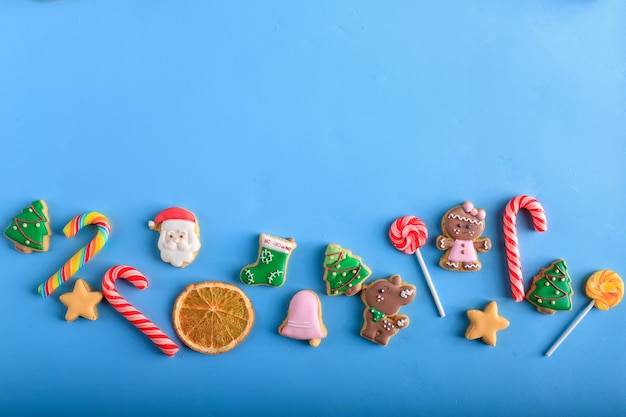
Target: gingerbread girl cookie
<point x="462" y="227"/>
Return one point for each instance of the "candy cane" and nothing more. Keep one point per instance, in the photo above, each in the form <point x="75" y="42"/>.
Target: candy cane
<point x="83" y="256"/>
<point x="131" y="313"/>
<point x="510" y="238"/>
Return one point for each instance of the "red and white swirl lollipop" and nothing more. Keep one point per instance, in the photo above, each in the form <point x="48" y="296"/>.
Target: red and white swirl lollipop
<point x="408" y="234"/>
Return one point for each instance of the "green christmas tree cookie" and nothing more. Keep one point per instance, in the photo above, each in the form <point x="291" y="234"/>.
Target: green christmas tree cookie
<point x="30" y="230"/>
<point x="551" y="289"/>
<point x="271" y="266"/>
<point x="344" y="272"/>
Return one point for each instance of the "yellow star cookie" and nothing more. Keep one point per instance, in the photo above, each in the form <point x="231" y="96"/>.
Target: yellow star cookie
<point x="81" y="301"/>
<point x="485" y="323"/>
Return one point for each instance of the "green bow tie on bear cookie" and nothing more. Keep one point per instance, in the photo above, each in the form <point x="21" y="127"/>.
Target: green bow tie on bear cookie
<point x="270" y="267"/>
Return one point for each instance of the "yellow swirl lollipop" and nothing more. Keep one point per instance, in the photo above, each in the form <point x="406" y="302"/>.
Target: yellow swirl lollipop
<point x="606" y="289"/>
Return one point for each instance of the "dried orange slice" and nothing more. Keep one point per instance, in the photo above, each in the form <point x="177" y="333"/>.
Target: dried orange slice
<point x="212" y="317"/>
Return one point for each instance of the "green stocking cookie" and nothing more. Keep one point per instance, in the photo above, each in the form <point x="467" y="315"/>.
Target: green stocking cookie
<point x="271" y="266"/>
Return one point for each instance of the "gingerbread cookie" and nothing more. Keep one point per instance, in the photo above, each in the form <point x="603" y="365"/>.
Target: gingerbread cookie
<point x="484" y="324"/>
<point x="462" y="227"/>
<point x="304" y="318"/>
<point x="30" y="230"/>
<point x="383" y="299"/>
<point x="179" y="236"/>
<point x="270" y="267"/>
<point x="551" y="289"/>
<point x="344" y="272"/>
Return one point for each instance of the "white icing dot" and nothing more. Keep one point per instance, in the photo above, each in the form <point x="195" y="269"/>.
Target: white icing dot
<point x="540" y="301"/>
<point x="354" y="271"/>
<point x="37" y="225"/>
<point x="334" y="274"/>
<point x="338" y="266"/>
<point x="30" y="210"/>
<point x="349" y="285"/>
<point x="557" y="292"/>
<point x="562" y="279"/>
<point x="24" y="225"/>
<point x="343" y="274"/>
<point x="14" y="227"/>
<point x="547" y="284"/>
<point x="552" y="302"/>
<point x="27" y="242"/>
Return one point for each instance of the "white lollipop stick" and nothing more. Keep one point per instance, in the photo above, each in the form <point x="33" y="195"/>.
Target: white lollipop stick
<point x="429" y="281"/>
<point x="606" y="290"/>
<point x="570" y="328"/>
<point x="408" y="234"/>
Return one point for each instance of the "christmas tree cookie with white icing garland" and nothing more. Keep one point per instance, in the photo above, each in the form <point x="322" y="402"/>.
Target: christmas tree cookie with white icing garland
<point x="551" y="289"/>
<point x="30" y="230"/>
<point x="344" y="272"/>
<point x="270" y="267"/>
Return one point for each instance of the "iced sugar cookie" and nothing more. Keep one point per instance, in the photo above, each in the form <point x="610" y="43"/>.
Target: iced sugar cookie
<point x="462" y="227"/>
<point x="551" y="289"/>
<point x="383" y="299"/>
<point x="179" y="236"/>
<point x="30" y="230"/>
<point x="304" y="318"/>
<point x="344" y="272"/>
<point x="270" y="267"/>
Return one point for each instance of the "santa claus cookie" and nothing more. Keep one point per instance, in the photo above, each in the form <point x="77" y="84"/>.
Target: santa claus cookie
<point x="179" y="235"/>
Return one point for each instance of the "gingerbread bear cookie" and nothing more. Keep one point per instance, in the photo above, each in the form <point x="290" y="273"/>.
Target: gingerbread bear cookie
<point x="462" y="227"/>
<point x="383" y="299"/>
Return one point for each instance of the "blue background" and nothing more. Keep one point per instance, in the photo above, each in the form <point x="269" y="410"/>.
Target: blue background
<point x="322" y="121"/>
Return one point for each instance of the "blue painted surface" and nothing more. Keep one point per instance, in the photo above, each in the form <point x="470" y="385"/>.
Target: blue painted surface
<point x="320" y="121"/>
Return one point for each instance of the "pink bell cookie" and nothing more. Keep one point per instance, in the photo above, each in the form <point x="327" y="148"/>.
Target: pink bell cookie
<point x="304" y="319"/>
<point x="462" y="227"/>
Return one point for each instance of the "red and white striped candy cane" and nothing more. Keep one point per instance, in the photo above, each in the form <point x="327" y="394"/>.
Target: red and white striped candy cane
<point x="510" y="238"/>
<point x="131" y="313"/>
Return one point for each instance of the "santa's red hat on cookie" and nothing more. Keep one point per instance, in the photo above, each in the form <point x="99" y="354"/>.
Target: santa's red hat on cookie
<point x="179" y="235"/>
